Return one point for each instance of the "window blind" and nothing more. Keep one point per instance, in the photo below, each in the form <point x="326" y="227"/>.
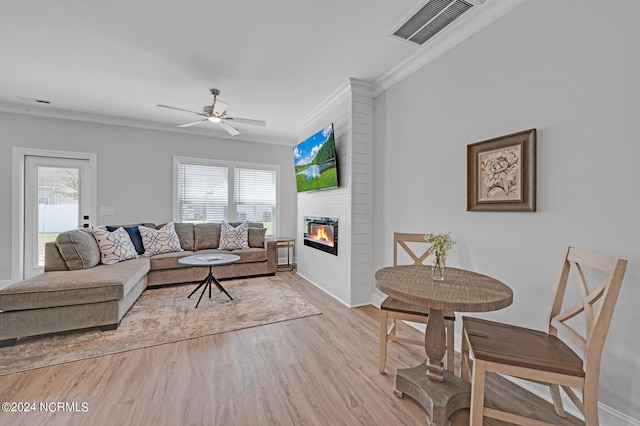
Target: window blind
<point x="255" y="196"/>
<point x="203" y="193"/>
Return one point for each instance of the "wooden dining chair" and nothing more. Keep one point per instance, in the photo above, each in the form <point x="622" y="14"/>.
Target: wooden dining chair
<point x="394" y="310"/>
<point x="543" y="357"/>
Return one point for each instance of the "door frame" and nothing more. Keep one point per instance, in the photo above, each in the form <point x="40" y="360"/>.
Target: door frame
<point x="17" y="198"/>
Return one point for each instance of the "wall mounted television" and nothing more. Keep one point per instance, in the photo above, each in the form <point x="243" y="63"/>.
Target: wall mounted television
<point x="315" y="161"/>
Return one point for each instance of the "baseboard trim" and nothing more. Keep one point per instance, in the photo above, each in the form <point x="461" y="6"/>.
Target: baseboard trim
<point x="608" y="416"/>
<point x="377" y="299"/>
<point x="325" y="290"/>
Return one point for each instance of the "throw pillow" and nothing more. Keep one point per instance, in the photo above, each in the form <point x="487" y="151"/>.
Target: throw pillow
<point x="114" y="246"/>
<point x="158" y="241"/>
<point x="78" y="248"/>
<point x="207" y="235"/>
<point x="134" y="234"/>
<point x="256" y="237"/>
<point x="234" y="238"/>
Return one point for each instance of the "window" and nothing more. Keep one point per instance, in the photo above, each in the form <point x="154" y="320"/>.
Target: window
<point x="213" y="191"/>
<point x="202" y="193"/>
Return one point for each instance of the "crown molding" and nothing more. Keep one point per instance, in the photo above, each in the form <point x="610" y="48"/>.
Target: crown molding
<point x="61" y="114"/>
<point x="360" y="87"/>
<point x="458" y="31"/>
<point x="338" y="94"/>
<point x="347" y="88"/>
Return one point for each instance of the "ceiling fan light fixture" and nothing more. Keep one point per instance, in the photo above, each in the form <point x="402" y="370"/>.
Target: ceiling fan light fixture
<point x="217" y="113"/>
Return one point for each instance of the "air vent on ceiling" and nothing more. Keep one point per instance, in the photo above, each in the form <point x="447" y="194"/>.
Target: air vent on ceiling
<point x="432" y="18"/>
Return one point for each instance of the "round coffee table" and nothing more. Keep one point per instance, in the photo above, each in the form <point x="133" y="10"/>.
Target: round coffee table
<point x="209" y="260"/>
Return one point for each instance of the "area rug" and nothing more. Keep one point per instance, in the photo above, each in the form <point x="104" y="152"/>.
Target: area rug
<point x="164" y="315"/>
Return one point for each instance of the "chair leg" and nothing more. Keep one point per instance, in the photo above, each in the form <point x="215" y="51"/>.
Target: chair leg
<point x="382" y="360"/>
<point x="590" y="405"/>
<point x="477" y="393"/>
<point x="450" y="347"/>
<point x="464" y="358"/>
<point x="557" y="400"/>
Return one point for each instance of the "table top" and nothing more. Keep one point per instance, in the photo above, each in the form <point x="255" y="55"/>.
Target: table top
<point x="209" y="259"/>
<point x="461" y="290"/>
<point x="285" y="239"/>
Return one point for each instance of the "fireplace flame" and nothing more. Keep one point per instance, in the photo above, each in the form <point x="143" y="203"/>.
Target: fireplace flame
<point x="320" y="235"/>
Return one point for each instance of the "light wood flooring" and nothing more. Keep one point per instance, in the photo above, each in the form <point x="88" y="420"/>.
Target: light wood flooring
<point x="320" y="370"/>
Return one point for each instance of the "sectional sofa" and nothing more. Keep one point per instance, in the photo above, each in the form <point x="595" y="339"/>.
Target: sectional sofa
<point x="78" y="291"/>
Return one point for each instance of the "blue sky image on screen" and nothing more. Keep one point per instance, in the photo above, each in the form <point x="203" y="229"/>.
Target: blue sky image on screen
<point x="315" y="161"/>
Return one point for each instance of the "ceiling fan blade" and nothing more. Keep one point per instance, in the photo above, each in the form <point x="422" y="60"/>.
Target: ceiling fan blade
<point x="181" y="109"/>
<point x="193" y="123"/>
<point x="219" y="107"/>
<point x="229" y="129"/>
<point x="247" y="121"/>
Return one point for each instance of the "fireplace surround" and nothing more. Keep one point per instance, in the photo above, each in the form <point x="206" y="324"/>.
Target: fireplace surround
<point x="321" y="233"/>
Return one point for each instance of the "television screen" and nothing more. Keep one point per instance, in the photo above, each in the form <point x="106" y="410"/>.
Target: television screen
<point x="315" y="161"/>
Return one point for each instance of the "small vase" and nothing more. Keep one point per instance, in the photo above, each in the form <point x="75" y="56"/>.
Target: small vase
<point x="437" y="272"/>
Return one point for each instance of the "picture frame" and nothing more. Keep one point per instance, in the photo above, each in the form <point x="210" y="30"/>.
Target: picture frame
<point x="501" y="173"/>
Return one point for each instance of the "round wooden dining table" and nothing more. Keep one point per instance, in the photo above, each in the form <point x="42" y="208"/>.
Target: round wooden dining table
<point x="438" y="391"/>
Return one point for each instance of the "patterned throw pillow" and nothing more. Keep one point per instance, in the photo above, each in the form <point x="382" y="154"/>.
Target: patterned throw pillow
<point x="158" y="241"/>
<point x="134" y="234"/>
<point x="234" y="238"/>
<point x="114" y="246"/>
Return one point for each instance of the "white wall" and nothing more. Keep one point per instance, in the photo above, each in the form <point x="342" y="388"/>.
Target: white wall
<point x="570" y="69"/>
<point x="135" y="167"/>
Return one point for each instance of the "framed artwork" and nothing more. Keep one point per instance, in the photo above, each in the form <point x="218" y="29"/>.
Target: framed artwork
<point x="501" y="173"/>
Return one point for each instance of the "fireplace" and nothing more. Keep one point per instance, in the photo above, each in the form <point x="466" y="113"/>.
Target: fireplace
<point x="321" y="233"/>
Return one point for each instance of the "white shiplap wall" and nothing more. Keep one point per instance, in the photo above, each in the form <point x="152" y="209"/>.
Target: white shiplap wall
<point x="347" y="276"/>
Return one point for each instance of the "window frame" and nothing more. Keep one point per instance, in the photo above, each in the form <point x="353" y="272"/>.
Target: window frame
<point x="231" y="166"/>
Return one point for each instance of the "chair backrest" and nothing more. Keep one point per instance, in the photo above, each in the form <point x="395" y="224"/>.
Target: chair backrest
<point x="402" y="238"/>
<point x="596" y="304"/>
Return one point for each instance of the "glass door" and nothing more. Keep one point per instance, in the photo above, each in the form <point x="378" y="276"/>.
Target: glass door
<point x="57" y="199"/>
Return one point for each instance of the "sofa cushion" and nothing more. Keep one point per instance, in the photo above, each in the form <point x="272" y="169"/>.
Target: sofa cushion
<point x="79" y="249"/>
<point x="53" y="260"/>
<point x="185" y="235"/>
<point x="158" y="241"/>
<point x="61" y="288"/>
<point x="114" y="246"/>
<point x="256" y="237"/>
<point x="168" y="260"/>
<point x="206" y="235"/>
<point x="234" y="237"/>
<point x="247" y="255"/>
<point x="134" y="234"/>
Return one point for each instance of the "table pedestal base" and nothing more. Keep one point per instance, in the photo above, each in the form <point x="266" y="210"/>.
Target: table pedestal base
<point x="440" y="399"/>
<point x="210" y="279"/>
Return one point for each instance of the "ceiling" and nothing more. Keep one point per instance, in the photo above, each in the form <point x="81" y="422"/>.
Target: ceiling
<point x="276" y="60"/>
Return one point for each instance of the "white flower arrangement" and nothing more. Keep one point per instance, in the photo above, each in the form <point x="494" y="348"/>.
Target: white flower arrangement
<point x="441" y="243"/>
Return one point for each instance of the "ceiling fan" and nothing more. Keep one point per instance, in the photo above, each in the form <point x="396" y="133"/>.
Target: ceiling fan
<point x="217" y="113"/>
